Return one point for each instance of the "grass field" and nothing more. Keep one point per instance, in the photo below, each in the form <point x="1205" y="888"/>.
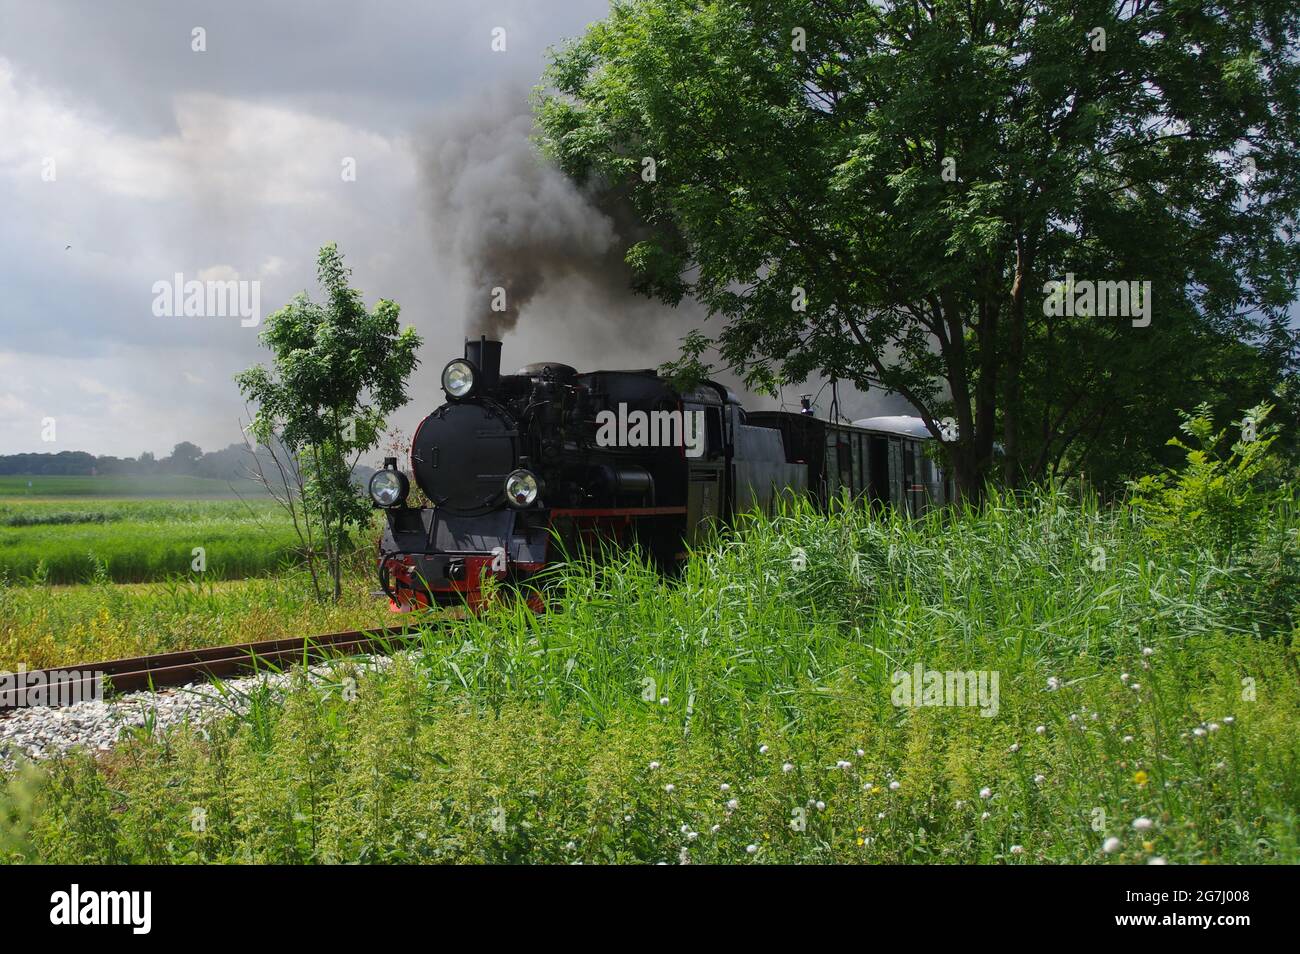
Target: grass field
<point x="81" y="539"/>
<point x="162" y="485"/>
<point x="749" y="712"/>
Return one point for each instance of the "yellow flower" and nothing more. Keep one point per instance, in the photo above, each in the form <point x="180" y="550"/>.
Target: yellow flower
<point x="1139" y="778"/>
<point x="861" y="829"/>
<point x="861" y="842"/>
<point x="1148" y="846"/>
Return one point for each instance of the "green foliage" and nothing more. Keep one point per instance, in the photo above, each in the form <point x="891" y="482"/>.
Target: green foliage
<point x="922" y="171"/>
<point x="515" y="737"/>
<point x="1217" y="500"/>
<point x="337" y="371"/>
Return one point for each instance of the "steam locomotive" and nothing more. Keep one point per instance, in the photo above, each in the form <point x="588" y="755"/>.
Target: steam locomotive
<point x="520" y="469"/>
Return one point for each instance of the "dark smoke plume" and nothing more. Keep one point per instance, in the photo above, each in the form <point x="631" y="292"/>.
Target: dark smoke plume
<point x="509" y="219"/>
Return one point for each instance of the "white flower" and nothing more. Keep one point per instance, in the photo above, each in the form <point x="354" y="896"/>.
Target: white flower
<point x="1156" y="860"/>
<point x="627" y="818"/>
<point x="725" y="787"/>
<point x="751" y="849"/>
<point x="1198" y="732"/>
<point x="1213" y="727"/>
<point x="570" y="846"/>
<point x="684" y="856"/>
<point x="867" y="787"/>
<point x="1074" y="717"/>
<point x="762" y="750"/>
<point x="1015" y="747"/>
<point x="663" y="701"/>
<point x="880" y="816"/>
<point x="960" y="805"/>
<point x="654" y="766"/>
<point x="1041" y="730"/>
<point x="787" y="767"/>
<point x="1229" y="720"/>
<point x="1142" y="823"/>
<point x="1147" y="651"/>
<point x="984" y="816"/>
<point x="733" y="804"/>
<point x="861" y="752"/>
<point x="1128" y="739"/>
<point x="1124" y="677"/>
<point x="692" y="835"/>
<point x="986" y="793"/>
<point x="670" y="788"/>
<point x="821" y="806"/>
<point x="895" y="786"/>
<point x="841" y="764"/>
<point x="685" y="829"/>
<point x="714" y="829"/>
<point x="1040" y="779"/>
<point x="1135" y="686"/>
<point x="1017" y="850"/>
<point x="1110" y="845"/>
<point x="1053" y="684"/>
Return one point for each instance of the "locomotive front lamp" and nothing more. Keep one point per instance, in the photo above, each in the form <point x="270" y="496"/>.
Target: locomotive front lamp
<point x="389" y="487"/>
<point x="459" y="378"/>
<point x="521" y="488"/>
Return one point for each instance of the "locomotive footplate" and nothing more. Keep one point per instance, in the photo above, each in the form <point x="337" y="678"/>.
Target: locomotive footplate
<point x="431" y="557"/>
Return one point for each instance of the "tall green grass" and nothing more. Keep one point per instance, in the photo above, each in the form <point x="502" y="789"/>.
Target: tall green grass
<point x="131" y="541"/>
<point x="1135" y="687"/>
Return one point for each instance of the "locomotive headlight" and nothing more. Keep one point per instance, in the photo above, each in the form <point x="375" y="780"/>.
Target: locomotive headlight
<point x="458" y="378"/>
<point x="389" y="487"/>
<point x="521" y="488"/>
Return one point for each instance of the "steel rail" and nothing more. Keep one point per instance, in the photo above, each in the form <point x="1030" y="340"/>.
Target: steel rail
<point x="59" y="686"/>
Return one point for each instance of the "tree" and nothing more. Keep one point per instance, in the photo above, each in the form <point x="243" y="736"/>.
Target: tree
<point x="337" y="371"/>
<point x="185" y="458"/>
<point x="884" y="192"/>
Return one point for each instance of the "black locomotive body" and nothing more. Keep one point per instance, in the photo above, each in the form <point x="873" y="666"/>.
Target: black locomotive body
<point x="522" y="467"/>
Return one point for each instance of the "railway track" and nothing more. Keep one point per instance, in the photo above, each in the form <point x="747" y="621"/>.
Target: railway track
<point x="66" y="685"/>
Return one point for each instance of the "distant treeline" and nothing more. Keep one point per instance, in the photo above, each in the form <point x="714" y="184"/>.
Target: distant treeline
<point x="231" y="463"/>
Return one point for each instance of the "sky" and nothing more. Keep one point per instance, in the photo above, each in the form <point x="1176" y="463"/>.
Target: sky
<point x="128" y="156"/>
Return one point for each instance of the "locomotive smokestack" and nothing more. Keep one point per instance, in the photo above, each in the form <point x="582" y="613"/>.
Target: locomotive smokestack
<point x="486" y="355"/>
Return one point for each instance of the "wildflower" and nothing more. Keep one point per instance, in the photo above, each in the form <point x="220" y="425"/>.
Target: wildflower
<point x="842" y="765"/>
<point x="1198" y="732"/>
<point x="762" y="750"/>
<point x="1074" y="717"/>
<point x="670" y="788"/>
<point x="1229" y="720"/>
<point x="692" y="835"/>
<point x="1124" y="677"/>
<point x="861" y="842"/>
<point x="960" y="805"/>
<point x="663" y="701"/>
<point x="1148" y="846"/>
<point x="1213" y="727"/>
<point x="986" y="793"/>
<point x="868" y="787"/>
<point x="725" y="787"/>
<point x="654" y="766"/>
<point x="895" y="786"/>
<point x="1015" y="747"/>
<point x="1128" y="740"/>
<point x="880" y="816"/>
<point x="821" y="806"/>
<point x="684" y="856"/>
<point x="714" y="829"/>
<point x="984" y="816"/>
<point x="1157" y="860"/>
<point x="1147" y="651"/>
<point x="685" y="828"/>
<point x="861" y="752"/>
<point x="1135" y="686"/>
<point x="1017" y="850"/>
<point x="1142" y="823"/>
<point x="1139" y="778"/>
<point x="751" y="849"/>
<point x="788" y="767"/>
<point x="1040" y="779"/>
<point x="1110" y="845"/>
<point x="570" y="846"/>
<point x="627" y="818"/>
<point x="733" y="804"/>
<point x="1053" y="684"/>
